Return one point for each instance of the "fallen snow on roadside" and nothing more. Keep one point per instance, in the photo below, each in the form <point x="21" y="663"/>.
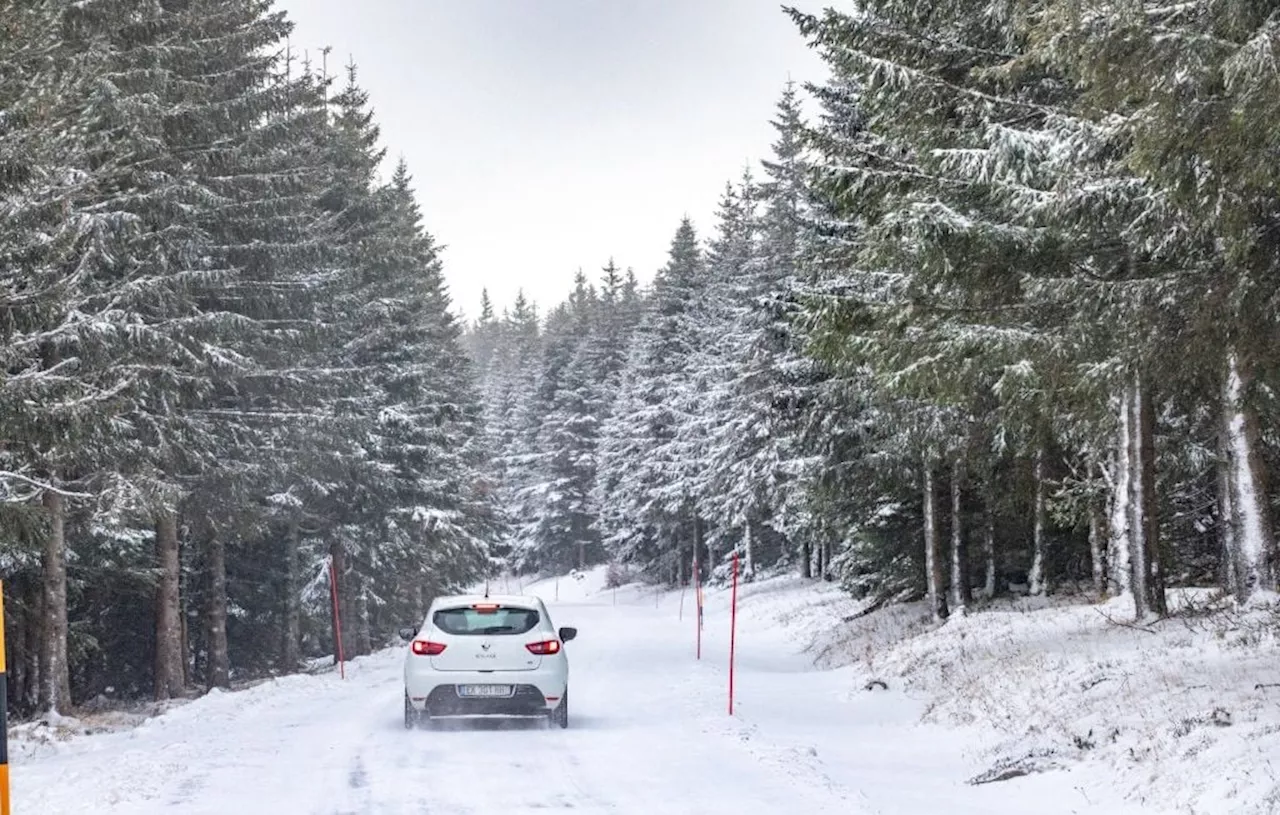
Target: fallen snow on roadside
<point x="1182" y="715"/>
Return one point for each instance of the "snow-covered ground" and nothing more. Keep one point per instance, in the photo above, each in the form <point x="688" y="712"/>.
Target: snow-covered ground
<point x="650" y="731"/>
<point x="1184" y="714"/>
<point x="1180" y="716"/>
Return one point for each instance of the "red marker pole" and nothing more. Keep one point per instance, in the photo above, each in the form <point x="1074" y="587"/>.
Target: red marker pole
<point x="337" y="620"/>
<point x="733" y="628"/>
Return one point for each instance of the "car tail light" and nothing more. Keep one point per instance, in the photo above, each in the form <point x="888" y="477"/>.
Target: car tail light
<point x="427" y="649"/>
<point x="544" y="648"/>
<point x="486" y="608"/>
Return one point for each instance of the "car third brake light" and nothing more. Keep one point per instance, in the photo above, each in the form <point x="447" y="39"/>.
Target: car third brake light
<point x="427" y="649"/>
<point x="544" y="648"/>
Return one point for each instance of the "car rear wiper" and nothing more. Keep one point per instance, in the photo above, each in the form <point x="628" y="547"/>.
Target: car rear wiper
<point x="499" y="629"/>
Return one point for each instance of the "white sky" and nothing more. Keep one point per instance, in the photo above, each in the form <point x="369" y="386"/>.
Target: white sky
<point x="546" y="136"/>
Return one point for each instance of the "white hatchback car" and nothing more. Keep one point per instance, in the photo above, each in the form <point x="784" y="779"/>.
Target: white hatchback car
<point x="486" y="656"/>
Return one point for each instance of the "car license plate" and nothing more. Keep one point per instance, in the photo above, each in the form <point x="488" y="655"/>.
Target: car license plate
<point x="485" y="691"/>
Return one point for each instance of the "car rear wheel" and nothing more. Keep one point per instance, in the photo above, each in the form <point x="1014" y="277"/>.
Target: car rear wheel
<point x="560" y="715"/>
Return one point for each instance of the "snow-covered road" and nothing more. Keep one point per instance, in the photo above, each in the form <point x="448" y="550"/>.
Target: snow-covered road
<point x="649" y="733"/>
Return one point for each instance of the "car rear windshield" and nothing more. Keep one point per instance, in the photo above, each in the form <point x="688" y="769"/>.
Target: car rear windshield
<point x="484" y="622"/>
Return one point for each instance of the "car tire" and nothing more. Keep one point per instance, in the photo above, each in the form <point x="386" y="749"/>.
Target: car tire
<point x="560" y="715"/>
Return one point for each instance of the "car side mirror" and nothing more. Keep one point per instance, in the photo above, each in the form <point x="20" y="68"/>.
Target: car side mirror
<point x="567" y="634"/>
<point x="407" y="634"/>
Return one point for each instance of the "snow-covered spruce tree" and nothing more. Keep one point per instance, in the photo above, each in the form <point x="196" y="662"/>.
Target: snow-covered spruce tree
<point x="484" y="334"/>
<point x="1144" y="64"/>
<point x="987" y="263"/>
<point x="48" y="410"/>
<point x="618" y="312"/>
<point x="283" y="408"/>
<point x="713" y="417"/>
<point x="344" y="495"/>
<point x="260" y="408"/>
<point x="834" y="418"/>
<point x="507" y="389"/>
<point x="583" y="352"/>
<point x="862" y="301"/>
<point x="438" y="517"/>
<point x="183" y="174"/>
<point x="562" y="533"/>
<point x="411" y="488"/>
<point x="179" y="276"/>
<point x="758" y="466"/>
<point x="646" y="513"/>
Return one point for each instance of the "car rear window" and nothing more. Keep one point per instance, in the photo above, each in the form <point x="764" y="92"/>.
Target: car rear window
<point x="484" y="622"/>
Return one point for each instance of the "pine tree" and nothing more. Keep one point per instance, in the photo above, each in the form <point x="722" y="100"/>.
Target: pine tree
<point x="172" y="148"/>
<point x="757" y="459"/>
<point x="1214" y="204"/>
<point x="646" y="510"/>
<point x="509" y="394"/>
<point x="563" y="531"/>
<point x="48" y="410"/>
<point x="221" y="331"/>
<point x="484" y="335"/>
<point x="437" y="519"/>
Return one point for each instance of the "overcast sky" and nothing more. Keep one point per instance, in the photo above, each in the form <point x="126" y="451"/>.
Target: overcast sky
<point x="546" y="136"/>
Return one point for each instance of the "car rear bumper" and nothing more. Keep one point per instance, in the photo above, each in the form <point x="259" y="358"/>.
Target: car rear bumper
<point x="527" y="700"/>
<point x="436" y="692"/>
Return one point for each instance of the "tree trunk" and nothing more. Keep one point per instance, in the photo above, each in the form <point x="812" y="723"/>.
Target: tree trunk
<point x="16" y="622"/>
<point x="35" y="644"/>
<point x="291" y="650"/>
<point x="1120" y="544"/>
<point x="184" y="616"/>
<point x="1232" y="578"/>
<point x="55" y="672"/>
<point x="1150" y="513"/>
<point x="989" y="547"/>
<point x="750" y="562"/>
<point x="219" y="670"/>
<point x="961" y="591"/>
<point x="1097" y="545"/>
<point x="1147" y="580"/>
<point x="169" y="657"/>
<point x="806" y="570"/>
<point x="934" y="569"/>
<point x="680" y="565"/>
<point x="1137" y="508"/>
<point x="1253" y="534"/>
<point x="1035" y="578"/>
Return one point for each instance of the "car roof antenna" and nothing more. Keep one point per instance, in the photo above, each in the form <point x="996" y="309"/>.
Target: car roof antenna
<point x="486" y="588"/>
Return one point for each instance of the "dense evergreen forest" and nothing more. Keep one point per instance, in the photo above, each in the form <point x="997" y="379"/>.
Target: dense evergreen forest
<point x="997" y="315"/>
<point x="229" y="358"/>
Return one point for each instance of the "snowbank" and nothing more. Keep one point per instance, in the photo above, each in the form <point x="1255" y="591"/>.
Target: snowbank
<point x="1182" y="712"/>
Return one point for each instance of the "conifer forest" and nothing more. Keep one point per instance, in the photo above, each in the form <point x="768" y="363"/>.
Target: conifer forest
<point x="997" y="315"/>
